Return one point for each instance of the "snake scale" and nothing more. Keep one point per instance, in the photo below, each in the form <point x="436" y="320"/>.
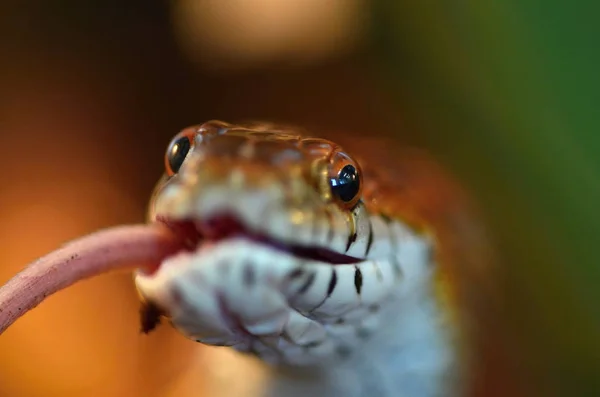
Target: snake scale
<point x="337" y="272"/>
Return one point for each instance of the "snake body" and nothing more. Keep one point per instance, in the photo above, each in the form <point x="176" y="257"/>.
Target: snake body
<point x="308" y="258"/>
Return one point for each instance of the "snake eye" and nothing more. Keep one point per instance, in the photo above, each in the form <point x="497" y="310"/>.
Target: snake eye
<point x="177" y="152"/>
<point x="346" y="186"/>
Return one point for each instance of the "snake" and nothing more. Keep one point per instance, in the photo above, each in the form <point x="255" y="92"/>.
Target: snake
<point x="333" y="270"/>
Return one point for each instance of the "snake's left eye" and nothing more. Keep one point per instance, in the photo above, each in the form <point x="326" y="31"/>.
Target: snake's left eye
<point x="346" y="186"/>
<point x="177" y="152"/>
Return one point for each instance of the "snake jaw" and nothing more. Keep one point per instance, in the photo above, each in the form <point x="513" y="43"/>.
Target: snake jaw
<point x="198" y="235"/>
<point x="293" y="304"/>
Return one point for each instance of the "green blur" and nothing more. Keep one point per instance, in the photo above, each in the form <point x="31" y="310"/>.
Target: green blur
<point x="507" y="93"/>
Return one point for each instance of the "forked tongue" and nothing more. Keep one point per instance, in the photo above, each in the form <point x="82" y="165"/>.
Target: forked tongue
<point x="116" y="248"/>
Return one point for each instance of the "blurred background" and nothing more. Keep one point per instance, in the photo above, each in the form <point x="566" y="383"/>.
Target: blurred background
<point x="502" y="93"/>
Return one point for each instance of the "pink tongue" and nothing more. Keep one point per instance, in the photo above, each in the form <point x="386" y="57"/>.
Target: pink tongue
<point x="121" y="247"/>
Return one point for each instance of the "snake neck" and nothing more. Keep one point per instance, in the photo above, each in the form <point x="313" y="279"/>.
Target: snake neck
<point x="413" y="354"/>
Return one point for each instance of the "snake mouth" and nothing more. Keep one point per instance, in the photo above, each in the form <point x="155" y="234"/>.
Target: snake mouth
<point x="196" y="234"/>
<point x="217" y="228"/>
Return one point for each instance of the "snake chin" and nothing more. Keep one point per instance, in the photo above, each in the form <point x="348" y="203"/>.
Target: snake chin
<point x="222" y="227"/>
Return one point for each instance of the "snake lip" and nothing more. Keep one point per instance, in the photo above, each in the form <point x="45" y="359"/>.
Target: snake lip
<point x="224" y="226"/>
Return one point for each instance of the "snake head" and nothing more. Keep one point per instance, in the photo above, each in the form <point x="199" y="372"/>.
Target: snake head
<point x="287" y="257"/>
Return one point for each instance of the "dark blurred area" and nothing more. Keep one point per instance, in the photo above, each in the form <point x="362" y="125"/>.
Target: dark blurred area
<point x="91" y="93"/>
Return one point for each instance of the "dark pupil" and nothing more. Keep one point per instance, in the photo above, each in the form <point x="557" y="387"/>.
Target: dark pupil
<point x="347" y="184"/>
<point x="177" y="153"/>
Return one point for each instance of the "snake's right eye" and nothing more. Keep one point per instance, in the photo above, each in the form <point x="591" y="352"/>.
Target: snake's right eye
<point x="177" y="152"/>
